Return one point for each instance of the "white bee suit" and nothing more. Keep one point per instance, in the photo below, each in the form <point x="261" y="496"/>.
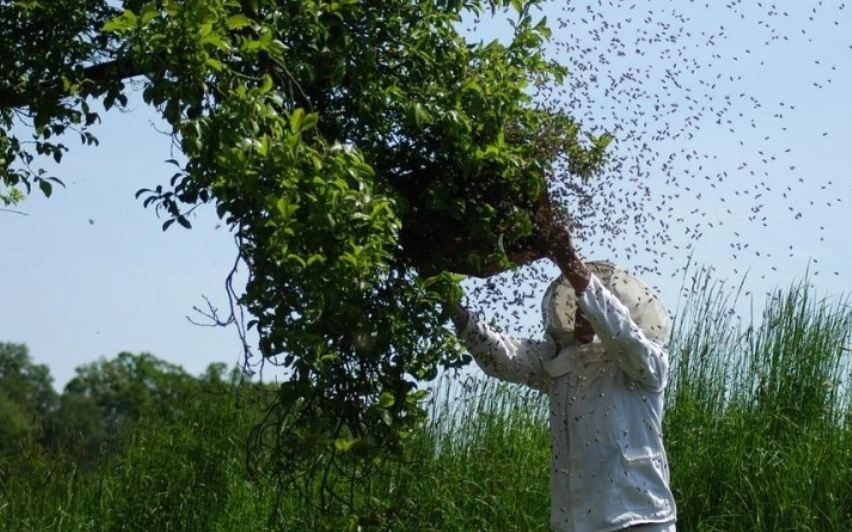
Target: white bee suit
<point x="609" y="469"/>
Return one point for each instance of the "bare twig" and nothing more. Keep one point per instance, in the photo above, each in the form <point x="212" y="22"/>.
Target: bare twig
<point x="236" y="313"/>
<point x="13" y="211"/>
<point x="212" y="314"/>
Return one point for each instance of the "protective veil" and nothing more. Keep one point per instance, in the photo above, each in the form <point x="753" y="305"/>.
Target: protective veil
<point x="559" y="304"/>
<point x="609" y="469"/>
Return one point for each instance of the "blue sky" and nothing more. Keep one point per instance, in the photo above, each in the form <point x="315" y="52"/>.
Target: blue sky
<point x="89" y="273"/>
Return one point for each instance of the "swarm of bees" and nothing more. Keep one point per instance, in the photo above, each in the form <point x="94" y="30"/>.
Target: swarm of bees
<point x="700" y="145"/>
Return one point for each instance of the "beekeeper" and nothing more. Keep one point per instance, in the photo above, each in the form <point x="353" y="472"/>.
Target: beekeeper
<point x="604" y="365"/>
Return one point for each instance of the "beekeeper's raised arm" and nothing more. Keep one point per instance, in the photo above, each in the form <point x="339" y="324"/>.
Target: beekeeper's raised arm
<point x="644" y="360"/>
<point x="519" y="360"/>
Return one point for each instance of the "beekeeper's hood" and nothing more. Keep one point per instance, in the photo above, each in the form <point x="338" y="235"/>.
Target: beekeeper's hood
<point x="559" y="304"/>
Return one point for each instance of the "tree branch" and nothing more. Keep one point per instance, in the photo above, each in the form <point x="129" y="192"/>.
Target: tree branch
<point x="116" y="70"/>
<point x="22" y="213"/>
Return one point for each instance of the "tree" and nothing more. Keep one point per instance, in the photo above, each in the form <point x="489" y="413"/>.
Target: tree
<point x="364" y="153"/>
<point x="27" y="398"/>
<point x="107" y="399"/>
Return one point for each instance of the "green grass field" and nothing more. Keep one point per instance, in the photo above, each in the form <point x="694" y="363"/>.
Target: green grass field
<point x="757" y="430"/>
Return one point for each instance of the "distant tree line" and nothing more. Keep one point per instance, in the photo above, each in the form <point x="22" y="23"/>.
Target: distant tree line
<point x="101" y="406"/>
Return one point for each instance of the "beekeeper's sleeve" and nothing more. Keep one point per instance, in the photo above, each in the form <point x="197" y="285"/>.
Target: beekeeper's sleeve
<point x="644" y="361"/>
<point x="519" y="360"/>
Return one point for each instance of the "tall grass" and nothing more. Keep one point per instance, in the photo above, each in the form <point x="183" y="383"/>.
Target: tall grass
<point x="171" y="476"/>
<point x="758" y="429"/>
<point x="490" y="458"/>
<point x="758" y="412"/>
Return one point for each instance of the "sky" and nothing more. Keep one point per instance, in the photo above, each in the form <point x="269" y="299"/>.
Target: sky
<point x="89" y="272"/>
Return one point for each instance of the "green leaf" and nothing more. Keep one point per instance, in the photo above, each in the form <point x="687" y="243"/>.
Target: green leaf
<point x="115" y="25"/>
<point x="215" y="64"/>
<point x="205" y="29"/>
<point x="149" y="12"/>
<point x="297" y="259"/>
<point x="121" y="24"/>
<point x="418" y="395"/>
<point x="418" y="115"/>
<point x="237" y="22"/>
<point x="386" y="400"/>
<point x="286" y="207"/>
<point x="310" y="121"/>
<point x="215" y="39"/>
<point x="45" y="187"/>
<point x="471" y="84"/>
<point x="344" y="444"/>
<point x="296" y="118"/>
